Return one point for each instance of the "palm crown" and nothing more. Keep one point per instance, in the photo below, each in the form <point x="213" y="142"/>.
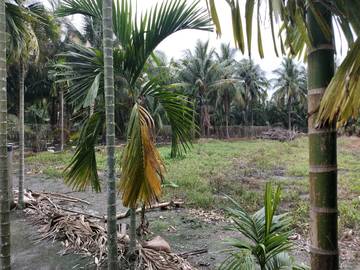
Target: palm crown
<point x="290" y="86"/>
<point x="136" y="37"/>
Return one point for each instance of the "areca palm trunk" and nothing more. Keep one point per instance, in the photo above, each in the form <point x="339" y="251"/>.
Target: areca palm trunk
<point x="5" y="260"/>
<point x="202" y="117"/>
<point x="252" y="118"/>
<point x="110" y="131"/>
<point x="322" y="148"/>
<point x="289" y="115"/>
<point x="227" y="110"/>
<point x="62" y="120"/>
<point x="21" y="134"/>
<point x="132" y="236"/>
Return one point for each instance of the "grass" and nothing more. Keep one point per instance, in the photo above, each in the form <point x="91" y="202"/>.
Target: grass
<point x="240" y="169"/>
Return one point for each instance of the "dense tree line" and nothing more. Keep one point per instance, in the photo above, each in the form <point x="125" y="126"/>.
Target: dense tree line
<point x="223" y="91"/>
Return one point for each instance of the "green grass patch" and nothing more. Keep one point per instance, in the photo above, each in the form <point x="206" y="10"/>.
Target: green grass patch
<point x="240" y="169"/>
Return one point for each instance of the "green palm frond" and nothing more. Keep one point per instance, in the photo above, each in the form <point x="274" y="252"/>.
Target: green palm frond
<point x="16" y="28"/>
<point x="179" y="113"/>
<point x="82" y="170"/>
<point x="91" y="8"/>
<point x="142" y="167"/>
<point x="122" y="15"/>
<point x="82" y="69"/>
<point x="156" y="25"/>
<point x="266" y="235"/>
<point x="24" y="26"/>
<point x="123" y="21"/>
<point x="238" y="260"/>
<point x="214" y="15"/>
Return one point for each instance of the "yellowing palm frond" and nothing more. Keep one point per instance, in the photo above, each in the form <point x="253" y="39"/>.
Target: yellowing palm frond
<point x="341" y="100"/>
<point x="142" y="166"/>
<point x="214" y="15"/>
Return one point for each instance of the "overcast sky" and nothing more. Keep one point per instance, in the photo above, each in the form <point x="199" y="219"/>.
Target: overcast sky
<point x="175" y="45"/>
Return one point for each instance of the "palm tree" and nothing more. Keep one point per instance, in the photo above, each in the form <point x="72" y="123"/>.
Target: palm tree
<point x="37" y="22"/>
<point x="5" y="260"/>
<point x="264" y="237"/>
<point x="254" y="83"/>
<point x="141" y="165"/>
<point x="199" y="75"/>
<point x="12" y="19"/>
<point x="110" y="131"/>
<point x="290" y="86"/>
<point x="308" y="26"/>
<point x="225" y="94"/>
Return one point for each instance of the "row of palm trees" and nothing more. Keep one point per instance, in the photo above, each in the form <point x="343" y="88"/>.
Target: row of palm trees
<point x="221" y="87"/>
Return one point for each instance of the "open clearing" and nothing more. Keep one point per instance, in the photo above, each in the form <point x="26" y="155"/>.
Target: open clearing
<point x="213" y="169"/>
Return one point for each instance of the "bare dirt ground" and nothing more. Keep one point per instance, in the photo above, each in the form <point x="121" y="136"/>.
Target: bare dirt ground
<point x="184" y="229"/>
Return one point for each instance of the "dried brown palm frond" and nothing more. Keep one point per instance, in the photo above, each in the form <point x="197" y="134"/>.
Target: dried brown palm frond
<point x="161" y="260"/>
<point x="82" y="234"/>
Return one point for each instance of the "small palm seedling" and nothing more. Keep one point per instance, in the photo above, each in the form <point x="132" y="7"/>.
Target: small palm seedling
<point x="264" y="242"/>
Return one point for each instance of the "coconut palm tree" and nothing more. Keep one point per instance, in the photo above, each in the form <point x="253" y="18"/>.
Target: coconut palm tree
<point x="226" y="93"/>
<point x="307" y="26"/>
<point x="290" y="86"/>
<point x="254" y="83"/>
<point x="141" y="165"/>
<point x="5" y="260"/>
<point x="199" y="75"/>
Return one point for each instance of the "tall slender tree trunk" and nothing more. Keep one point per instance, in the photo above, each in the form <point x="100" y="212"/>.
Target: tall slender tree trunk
<point x="322" y="148"/>
<point x="110" y="131"/>
<point x="21" y="134"/>
<point x="62" y="120"/>
<point x="132" y="236"/>
<point x="289" y="117"/>
<point x="202" y="118"/>
<point x="227" y="127"/>
<point x="5" y="260"/>
<point x="227" y="112"/>
<point x="10" y="173"/>
<point x="252" y="120"/>
<point x="193" y="120"/>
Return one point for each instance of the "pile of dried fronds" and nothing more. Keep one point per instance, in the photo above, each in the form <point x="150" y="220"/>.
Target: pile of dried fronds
<point x="279" y="134"/>
<point x="85" y="234"/>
